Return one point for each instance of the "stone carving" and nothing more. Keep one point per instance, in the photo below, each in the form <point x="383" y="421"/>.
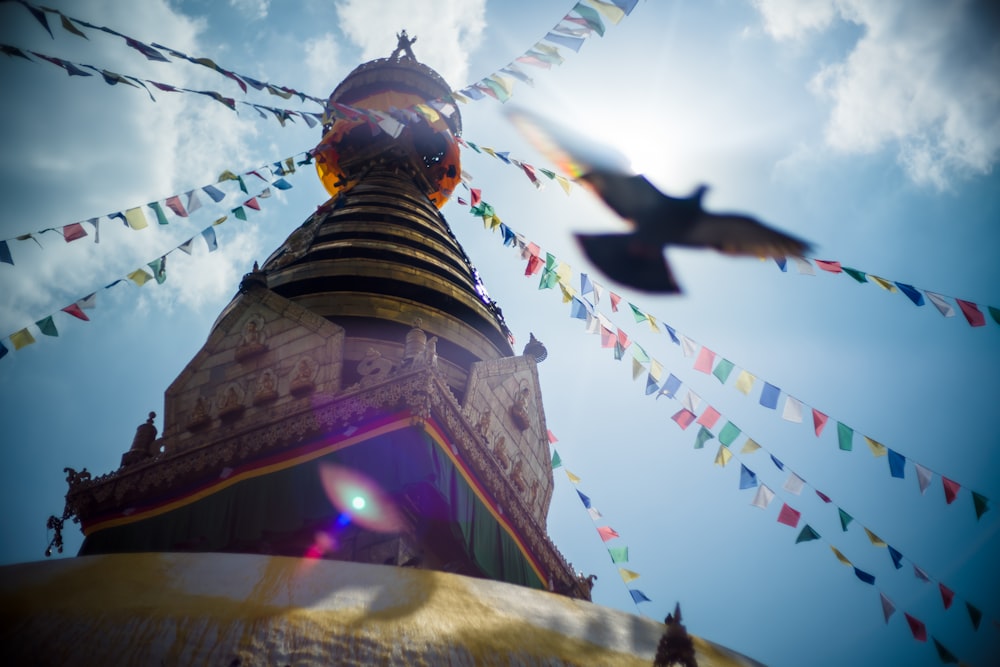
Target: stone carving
<point x="415" y="344"/>
<point x="519" y="411"/>
<point x="252" y="343"/>
<point x="500" y="452"/>
<point x="142" y="444"/>
<point x="303" y="377"/>
<point x="484" y="425"/>
<point x="517" y="478"/>
<point x="199" y="415"/>
<point x="73" y="477"/>
<point x="373" y="368"/>
<point x="230" y="402"/>
<point x="266" y="388"/>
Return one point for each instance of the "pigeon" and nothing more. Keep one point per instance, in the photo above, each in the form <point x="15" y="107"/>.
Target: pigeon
<point x="636" y="259"/>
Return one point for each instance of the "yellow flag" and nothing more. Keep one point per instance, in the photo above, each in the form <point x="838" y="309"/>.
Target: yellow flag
<point x="573" y="478"/>
<point x="228" y="176"/>
<point x="567" y="292"/>
<point x="745" y="382"/>
<point x="656" y="370"/>
<point x="722" y="458"/>
<point x="841" y="557"/>
<point x="878" y="449"/>
<point x="220" y="220"/>
<point x="637" y="368"/>
<point x="135" y="218"/>
<point x="563" y="183"/>
<point x="459" y="97"/>
<point x="628" y="575"/>
<point x="489" y="150"/>
<point x="875" y="539"/>
<point x="611" y="11"/>
<point x="652" y="323"/>
<point x="427" y="112"/>
<point x="139" y="277"/>
<point x="883" y="283"/>
<point x="749" y="447"/>
<point x="21" y="339"/>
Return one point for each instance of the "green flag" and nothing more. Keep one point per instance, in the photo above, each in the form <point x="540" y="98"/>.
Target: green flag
<point x="618" y="554"/>
<point x="637" y="314"/>
<point x="158" y="210"/>
<point x="854" y="273"/>
<point x="556" y="461"/>
<point x="729" y="433"/>
<point x="723" y="369"/>
<point x="807" y="534"/>
<point x="47" y="326"/>
<point x="845" y="519"/>
<point x="238" y="212"/>
<point x="704" y="435"/>
<point x="845" y="435"/>
<point x="994" y="313"/>
<point x="981" y="504"/>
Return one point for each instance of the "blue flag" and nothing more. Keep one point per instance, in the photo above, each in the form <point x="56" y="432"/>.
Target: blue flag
<point x="584" y="499"/>
<point x="670" y="387"/>
<point x="638" y="596"/>
<point x="896" y="557"/>
<point x="912" y="292"/>
<point x="210" y="239"/>
<point x="896" y="464"/>
<point x="748" y="479"/>
<point x="865" y="577"/>
<point x="769" y="396"/>
<point x="5" y="253"/>
<point x="216" y="194"/>
<point x="577" y="309"/>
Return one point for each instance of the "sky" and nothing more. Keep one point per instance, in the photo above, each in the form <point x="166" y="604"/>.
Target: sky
<point x="870" y="129"/>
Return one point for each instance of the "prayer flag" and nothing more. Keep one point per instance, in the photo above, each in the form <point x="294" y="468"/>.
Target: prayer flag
<point x="583" y="498"/>
<point x="637" y="368"/>
<point x="947" y="595"/>
<point x="864" y="576"/>
<point x="618" y="554"/>
<point x="186" y="246"/>
<point x="897" y="463"/>
<point x="857" y="275"/>
<point x="594" y="514"/>
<point x="569" y="42"/>
<point x="822" y="496"/>
<point x="883" y="283"/>
<point x="691" y="401"/>
<point x="73" y="231"/>
<point x="793" y="410"/>
<point x="943" y="306"/>
<point x="639" y="353"/>
<point x="974" y="615"/>
<point x="627" y="575"/>
<point x="174" y="204"/>
<point x="637" y="595"/>
<point x="841" y="557"/>
<point x="139" y="277"/>
<point x="912" y="293"/>
<point x="777" y="464"/>
<point x="729" y="433"/>
<point x="888" y="609"/>
<point x="135" y="218"/>
<point x="610" y="11"/>
<point x="607" y="533"/>
<point x="688" y="346"/>
<point x="875" y="539"/>
<point x="684" y="417"/>
<point x="615" y="300"/>
<point x="723" y="369"/>
<point x="723" y="456"/>
<point x="763" y="497"/>
<point x="748" y="479"/>
<point x="749" y="447"/>
<point x="577" y="309"/>
<point x="830" y="266"/>
<point x="5" y="254"/>
<point x="3" y="351"/>
<point x="251" y="203"/>
<point x="571" y="477"/>
<point x="950" y="489"/>
<point x="670" y="387"/>
<point x="807" y="534"/>
<point x="193" y="202"/>
<point x="210" y="240"/>
<point x="803" y="265"/>
<point x="994" y="313"/>
<point x="47" y="326"/>
<point x="917" y="627"/>
<point x="218" y="195"/>
<point x="782" y="264"/>
<point x="845" y="519"/>
<point x="88" y="302"/>
<point x="651" y="384"/>
<point x="946" y="656"/>
<point x="637" y="314"/>
<point x="159" y="267"/>
<point x="972" y="313"/>
<point x="819" y="421"/>
<point x="921" y="575"/>
<point x="923" y="477"/>
<point x="74" y="310"/>
<point x="556" y="460"/>
<point x="769" y="396"/>
<point x="744" y="382"/>
<point x="845" y="436"/>
<point x="896" y="557"/>
<point x="794" y="484"/>
<point x="981" y="504"/>
<point x="709" y="417"/>
<point x="705" y="360"/>
<point x="704" y="435"/>
<point x="161" y="217"/>
<point x="552" y="437"/>
<point x="878" y="449"/>
<point x="789" y="516"/>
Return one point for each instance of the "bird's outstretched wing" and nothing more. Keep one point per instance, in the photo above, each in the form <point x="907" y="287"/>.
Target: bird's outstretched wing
<point x="631" y="196"/>
<point x="574" y="154"/>
<point x="741" y="235"/>
<point x="629" y="261"/>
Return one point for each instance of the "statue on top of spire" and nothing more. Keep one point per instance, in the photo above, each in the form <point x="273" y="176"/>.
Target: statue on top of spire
<point x="403" y="47"/>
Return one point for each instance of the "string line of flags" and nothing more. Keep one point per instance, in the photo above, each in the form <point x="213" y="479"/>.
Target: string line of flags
<point x="974" y="313"/>
<point x="619" y="554"/>
<point x="157" y="268"/>
<point x="180" y="204"/>
<point x="554" y="272"/>
<point x="151" y="52"/>
<point x="764" y="495"/>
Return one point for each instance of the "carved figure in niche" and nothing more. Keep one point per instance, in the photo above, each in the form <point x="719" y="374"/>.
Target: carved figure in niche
<point x="500" y="452"/>
<point x="266" y="388"/>
<point x="73" y="477"/>
<point x="373" y="368"/>
<point x="519" y="411"/>
<point x="142" y="444"/>
<point x="199" y="415"/>
<point x="533" y="494"/>
<point x="252" y="343"/>
<point x="415" y="344"/>
<point x="303" y="377"/>
<point x="517" y="478"/>
<point x="230" y="402"/>
<point x="484" y="425"/>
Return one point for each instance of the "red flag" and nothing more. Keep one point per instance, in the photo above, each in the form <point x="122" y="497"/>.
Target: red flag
<point x="709" y="417"/>
<point x="705" y="360"/>
<point x="972" y="313"/>
<point x="684" y="418"/>
<point x="947" y="595"/>
<point x="477" y="196"/>
<point x="950" y="489"/>
<point x="530" y="171"/>
<point x="74" y="310"/>
<point x="462" y="202"/>
<point x="534" y="264"/>
<point x="615" y="300"/>
<point x="552" y="438"/>
<point x="252" y="203"/>
<point x="832" y="267"/>
<point x="608" y="338"/>
<point x="822" y="496"/>
<point x="819" y="421"/>
<point x="607" y="533"/>
<point x="917" y="627"/>
<point x="73" y="232"/>
<point x="623" y="339"/>
<point x="789" y="516"/>
<point x="175" y="205"/>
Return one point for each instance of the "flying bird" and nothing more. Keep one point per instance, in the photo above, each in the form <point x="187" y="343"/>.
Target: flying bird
<point x="636" y="259"/>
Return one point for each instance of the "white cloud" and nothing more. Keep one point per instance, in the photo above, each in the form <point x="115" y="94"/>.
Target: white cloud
<point x="322" y="61"/>
<point x="446" y="36"/>
<point x="922" y="80"/>
<point x="256" y="9"/>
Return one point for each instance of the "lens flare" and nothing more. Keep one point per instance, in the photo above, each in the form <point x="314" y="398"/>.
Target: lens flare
<point x="360" y="499"/>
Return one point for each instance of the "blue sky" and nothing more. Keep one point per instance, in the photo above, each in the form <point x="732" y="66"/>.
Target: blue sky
<point x="869" y="130"/>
